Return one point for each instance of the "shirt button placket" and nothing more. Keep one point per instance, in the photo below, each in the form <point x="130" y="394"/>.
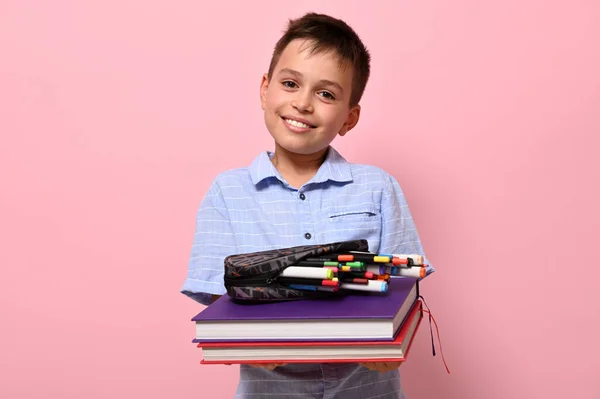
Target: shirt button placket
<point x="306" y="212"/>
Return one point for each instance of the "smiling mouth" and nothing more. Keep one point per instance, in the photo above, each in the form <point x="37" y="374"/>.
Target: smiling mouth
<point x="298" y="124"/>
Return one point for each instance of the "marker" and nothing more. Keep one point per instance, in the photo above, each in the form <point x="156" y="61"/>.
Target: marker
<point x="419" y="272"/>
<point x="355" y="280"/>
<point x="365" y="257"/>
<point x="313" y="288"/>
<point x="332" y="258"/>
<point x="416" y="258"/>
<point x="353" y="274"/>
<point x="328" y="289"/>
<point x="345" y="268"/>
<point x="377" y="269"/>
<point x="382" y="259"/>
<point x="307" y="281"/>
<point x="399" y="261"/>
<point x="372" y="286"/>
<point x="369" y="275"/>
<point x="316" y="263"/>
<point x="303" y="287"/>
<point x="307" y="272"/>
<point x="354" y="264"/>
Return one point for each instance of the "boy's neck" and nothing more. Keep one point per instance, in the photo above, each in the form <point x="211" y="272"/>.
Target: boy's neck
<point x="297" y="169"/>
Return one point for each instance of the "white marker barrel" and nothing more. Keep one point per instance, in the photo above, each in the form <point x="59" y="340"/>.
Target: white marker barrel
<point x="372" y="285"/>
<point x="415" y="271"/>
<point x="307" y="272"/>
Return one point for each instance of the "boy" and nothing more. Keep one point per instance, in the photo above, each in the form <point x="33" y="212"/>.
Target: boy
<point x="305" y="193"/>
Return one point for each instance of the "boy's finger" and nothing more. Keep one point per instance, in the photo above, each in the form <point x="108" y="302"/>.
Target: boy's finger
<point x="370" y="366"/>
<point x="268" y="366"/>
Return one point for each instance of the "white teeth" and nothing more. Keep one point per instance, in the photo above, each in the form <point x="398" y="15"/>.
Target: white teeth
<point x="297" y="124"/>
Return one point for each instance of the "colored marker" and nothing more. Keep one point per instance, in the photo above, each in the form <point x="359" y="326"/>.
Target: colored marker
<point x="315" y="263"/>
<point x="418" y="272"/>
<point x="307" y="281"/>
<point x="303" y="287"/>
<point x="368" y="275"/>
<point x="345" y="268"/>
<point x="307" y="272"/>
<point x="354" y="274"/>
<point x="313" y="288"/>
<point x="355" y="280"/>
<point x="332" y="258"/>
<point x="416" y="259"/>
<point x="328" y="289"/>
<point x="370" y="253"/>
<point x="399" y="261"/>
<point x="372" y="286"/>
<point x="366" y="257"/>
<point x="354" y="264"/>
<point x="376" y="269"/>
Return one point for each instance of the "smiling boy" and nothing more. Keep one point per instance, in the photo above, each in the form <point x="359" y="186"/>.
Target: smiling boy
<point x="305" y="192"/>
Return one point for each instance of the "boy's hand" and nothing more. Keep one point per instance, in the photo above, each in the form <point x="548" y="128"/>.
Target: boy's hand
<point x="382" y="366"/>
<point x="268" y="366"/>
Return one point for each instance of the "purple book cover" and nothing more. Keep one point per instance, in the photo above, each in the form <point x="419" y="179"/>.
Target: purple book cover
<point x="355" y="305"/>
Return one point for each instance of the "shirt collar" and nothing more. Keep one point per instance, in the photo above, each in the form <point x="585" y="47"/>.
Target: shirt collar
<point x="334" y="168"/>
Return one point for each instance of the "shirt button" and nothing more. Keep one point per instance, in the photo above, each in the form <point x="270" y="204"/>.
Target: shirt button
<point x="302" y="196"/>
<point x="307" y="236"/>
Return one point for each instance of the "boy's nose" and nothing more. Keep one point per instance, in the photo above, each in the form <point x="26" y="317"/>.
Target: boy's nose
<point x="302" y="102"/>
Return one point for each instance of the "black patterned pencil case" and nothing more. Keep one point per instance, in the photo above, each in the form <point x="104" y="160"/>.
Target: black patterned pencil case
<point x="253" y="276"/>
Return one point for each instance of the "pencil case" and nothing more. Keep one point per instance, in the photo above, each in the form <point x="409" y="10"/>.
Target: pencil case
<point x="254" y="276"/>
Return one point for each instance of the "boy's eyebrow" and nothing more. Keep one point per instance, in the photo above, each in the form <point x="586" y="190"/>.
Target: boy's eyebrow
<point x="322" y="81"/>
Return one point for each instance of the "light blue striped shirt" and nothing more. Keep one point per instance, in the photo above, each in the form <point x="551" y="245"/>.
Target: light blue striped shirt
<point x="254" y="209"/>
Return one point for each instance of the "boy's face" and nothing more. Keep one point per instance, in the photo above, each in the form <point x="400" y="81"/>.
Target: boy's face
<point x="306" y="103"/>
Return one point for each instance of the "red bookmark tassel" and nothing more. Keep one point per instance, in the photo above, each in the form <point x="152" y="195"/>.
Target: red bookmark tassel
<point x="431" y="318"/>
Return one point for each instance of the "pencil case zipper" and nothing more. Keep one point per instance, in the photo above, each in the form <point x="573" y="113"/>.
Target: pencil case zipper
<point x="253" y="281"/>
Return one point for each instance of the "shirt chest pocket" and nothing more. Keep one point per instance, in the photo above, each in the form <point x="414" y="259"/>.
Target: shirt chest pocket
<point x="353" y="213"/>
<point x="352" y="222"/>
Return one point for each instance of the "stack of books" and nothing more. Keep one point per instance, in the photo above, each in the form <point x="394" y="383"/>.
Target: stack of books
<point x="359" y="327"/>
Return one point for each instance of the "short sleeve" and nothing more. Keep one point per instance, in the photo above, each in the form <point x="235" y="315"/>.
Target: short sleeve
<point x="399" y="234"/>
<point x="213" y="241"/>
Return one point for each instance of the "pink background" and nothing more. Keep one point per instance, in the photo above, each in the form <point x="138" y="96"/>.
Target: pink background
<point x="116" y="115"/>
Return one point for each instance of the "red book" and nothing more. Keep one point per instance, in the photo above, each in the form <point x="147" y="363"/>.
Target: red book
<point x="317" y="351"/>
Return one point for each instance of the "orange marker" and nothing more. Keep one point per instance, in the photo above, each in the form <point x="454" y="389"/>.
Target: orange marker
<point x="399" y="261"/>
<point x="415" y="271"/>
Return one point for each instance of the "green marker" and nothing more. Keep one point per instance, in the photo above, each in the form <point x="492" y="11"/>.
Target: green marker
<point x="354" y="264"/>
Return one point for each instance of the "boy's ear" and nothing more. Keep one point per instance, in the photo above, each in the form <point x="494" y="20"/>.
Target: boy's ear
<point x="351" y="121"/>
<point x="264" y="85"/>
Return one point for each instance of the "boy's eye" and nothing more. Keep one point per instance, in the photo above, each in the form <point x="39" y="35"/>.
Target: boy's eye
<point x="327" y="95"/>
<point x="289" y="84"/>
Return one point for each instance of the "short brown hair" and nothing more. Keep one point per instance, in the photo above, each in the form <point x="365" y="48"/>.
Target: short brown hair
<point x="329" y="34"/>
